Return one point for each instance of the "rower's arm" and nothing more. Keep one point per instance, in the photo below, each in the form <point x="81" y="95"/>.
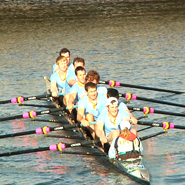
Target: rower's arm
<point x="80" y="114"/>
<point x="99" y="131"/>
<point x="81" y="117"/>
<point x="132" y="117"/>
<point x="72" y="97"/>
<point x="71" y="82"/>
<point x="54" y="89"/>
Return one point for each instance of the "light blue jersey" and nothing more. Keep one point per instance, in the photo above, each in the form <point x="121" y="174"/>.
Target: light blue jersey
<point x="70" y="75"/>
<point x="122" y="107"/>
<point x="54" y="67"/>
<point x="79" y="90"/>
<point x="91" y="107"/>
<point x="109" y="126"/>
<point x="56" y="78"/>
<point x="102" y="91"/>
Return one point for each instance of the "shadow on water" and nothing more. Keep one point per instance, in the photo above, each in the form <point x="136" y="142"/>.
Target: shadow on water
<point x="75" y="9"/>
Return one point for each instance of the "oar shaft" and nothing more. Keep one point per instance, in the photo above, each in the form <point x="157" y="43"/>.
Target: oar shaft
<point x="149" y="110"/>
<point x="18" y="134"/>
<point x="44" y="130"/>
<point x="164" y="125"/>
<point x="24" y="151"/>
<point x="59" y="146"/>
<point x="151" y="135"/>
<point x="159" y="101"/>
<point x="32" y="114"/>
<point x="113" y="83"/>
<point x="5" y="101"/>
<point x="21" y="99"/>
<point x="129" y="96"/>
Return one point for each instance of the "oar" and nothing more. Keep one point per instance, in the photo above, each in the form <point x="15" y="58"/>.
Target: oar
<point x="33" y="114"/>
<point x="148" y="110"/>
<point x="59" y="147"/>
<point x="152" y="135"/>
<point x="129" y="96"/>
<point x="44" y="130"/>
<point x="164" y="125"/>
<point x="34" y="105"/>
<point x="113" y="83"/>
<point x="21" y="99"/>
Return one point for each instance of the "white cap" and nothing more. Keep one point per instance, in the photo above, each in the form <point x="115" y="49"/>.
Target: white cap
<point x="109" y="101"/>
<point x="124" y="124"/>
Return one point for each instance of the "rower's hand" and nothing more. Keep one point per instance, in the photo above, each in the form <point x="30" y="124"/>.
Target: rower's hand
<point x="103" y="140"/>
<point x="85" y="123"/>
<point x="133" y="121"/>
<point x="55" y="94"/>
<point x="70" y="107"/>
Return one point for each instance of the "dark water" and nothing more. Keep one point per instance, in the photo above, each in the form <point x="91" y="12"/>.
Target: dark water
<point x="136" y="42"/>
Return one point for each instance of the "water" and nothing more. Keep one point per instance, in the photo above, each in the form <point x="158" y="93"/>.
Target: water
<point x="136" y="42"/>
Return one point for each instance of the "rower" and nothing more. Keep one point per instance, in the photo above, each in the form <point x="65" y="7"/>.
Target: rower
<point x="71" y="77"/>
<point x="111" y="92"/>
<point x="108" y="122"/>
<point x="93" y="76"/>
<point x="58" y="79"/>
<point x="77" y="91"/>
<point x="66" y="53"/>
<point x="126" y="145"/>
<point x="89" y="105"/>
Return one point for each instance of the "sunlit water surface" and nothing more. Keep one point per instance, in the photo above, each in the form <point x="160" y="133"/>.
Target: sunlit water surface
<point x="134" y="42"/>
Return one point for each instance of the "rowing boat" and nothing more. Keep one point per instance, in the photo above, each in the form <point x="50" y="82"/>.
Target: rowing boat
<point x="133" y="168"/>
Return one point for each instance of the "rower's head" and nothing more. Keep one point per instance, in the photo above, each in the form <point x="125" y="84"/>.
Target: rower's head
<point x="111" y="92"/>
<point x="80" y="74"/>
<point x="93" y="76"/>
<point x="78" y="61"/>
<point x="112" y="106"/>
<point x="62" y="63"/>
<point x="91" y="89"/>
<point x="66" y="53"/>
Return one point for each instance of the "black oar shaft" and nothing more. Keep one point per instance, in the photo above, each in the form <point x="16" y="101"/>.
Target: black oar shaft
<point x="24" y="151"/>
<point x="152" y="135"/>
<point x="60" y="146"/>
<point x="5" y="101"/>
<point x="21" y="99"/>
<point x="150" y="123"/>
<point x="34" y="105"/>
<point x="148" y="110"/>
<point x="17" y="134"/>
<point x="44" y="130"/>
<point x="159" y="101"/>
<point x="115" y="83"/>
<point x="32" y="114"/>
<point x="165" y="125"/>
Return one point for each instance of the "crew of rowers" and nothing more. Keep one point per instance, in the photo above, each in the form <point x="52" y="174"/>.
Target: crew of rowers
<point x="95" y="104"/>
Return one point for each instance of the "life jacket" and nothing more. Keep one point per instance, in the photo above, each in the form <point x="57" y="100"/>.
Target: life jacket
<point x="130" y="154"/>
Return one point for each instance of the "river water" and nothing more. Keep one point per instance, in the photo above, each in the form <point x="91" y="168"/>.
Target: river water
<point x="136" y="42"/>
